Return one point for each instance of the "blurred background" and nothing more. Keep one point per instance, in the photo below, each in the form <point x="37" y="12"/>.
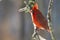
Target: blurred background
<point x="18" y="26"/>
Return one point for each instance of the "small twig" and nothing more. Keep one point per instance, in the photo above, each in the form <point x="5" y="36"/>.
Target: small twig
<point x="49" y="19"/>
<point x="22" y="9"/>
<point x="37" y="36"/>
<point x="25" y="8"/>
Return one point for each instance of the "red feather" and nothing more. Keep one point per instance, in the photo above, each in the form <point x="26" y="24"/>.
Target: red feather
<point x="38" y="19"/>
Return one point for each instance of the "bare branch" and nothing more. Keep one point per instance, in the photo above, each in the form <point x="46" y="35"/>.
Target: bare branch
<point x="22" y="9"/>
<point x="49" y="19"/>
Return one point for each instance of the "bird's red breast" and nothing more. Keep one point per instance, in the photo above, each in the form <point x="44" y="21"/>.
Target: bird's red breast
<point x="38" y="19"/>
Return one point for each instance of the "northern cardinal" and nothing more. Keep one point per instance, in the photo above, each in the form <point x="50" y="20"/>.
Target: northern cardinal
<point x="38" y="18"/>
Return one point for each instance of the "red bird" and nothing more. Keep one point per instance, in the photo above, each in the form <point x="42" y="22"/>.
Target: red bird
<point x="38" y="19"/>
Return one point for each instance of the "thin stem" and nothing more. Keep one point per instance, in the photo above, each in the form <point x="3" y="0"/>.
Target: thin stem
<point x="35" y="35"/>
<point x="49" y="19"/>
<point x="22" y="9"/>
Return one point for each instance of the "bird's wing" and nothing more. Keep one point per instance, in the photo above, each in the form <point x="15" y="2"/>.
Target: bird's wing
<point x="41" y="19"/>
